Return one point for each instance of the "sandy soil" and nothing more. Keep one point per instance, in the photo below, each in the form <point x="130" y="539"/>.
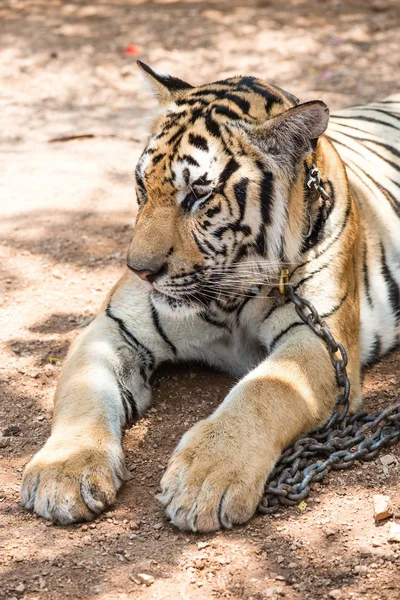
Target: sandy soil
<point x="67" y="210"/>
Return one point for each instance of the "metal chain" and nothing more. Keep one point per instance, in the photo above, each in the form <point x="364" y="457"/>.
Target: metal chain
<point x="341" y="441"/>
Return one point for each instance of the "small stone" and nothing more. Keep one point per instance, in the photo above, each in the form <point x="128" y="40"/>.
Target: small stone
<point x="49" y="370"/>
<point x="20" y="589"/>
<point x="388" y="459"/>
<point x="361" y="569"/>
<point x="4" y="441"/>
<point x="148" y="580"/>
<point x="394" y="533"/>
<point x="329" y="532"/>
<point x="292" y="565"/>
<point x="133" y="525"/>
<point x="336" y="594"/>
<point x="280" y="559"/>
<point x="365" y="551"/>
<point x="202" y="545"/>
<point x="382" y="508"/>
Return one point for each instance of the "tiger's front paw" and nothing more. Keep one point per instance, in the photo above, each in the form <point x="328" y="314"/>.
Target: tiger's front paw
<point x="215" y="478"/>
<point x="68" y="482"/>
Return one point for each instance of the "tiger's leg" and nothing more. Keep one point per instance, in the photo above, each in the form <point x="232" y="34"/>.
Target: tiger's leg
<point x="217" y="473"/>
<point x="102" y="388"/>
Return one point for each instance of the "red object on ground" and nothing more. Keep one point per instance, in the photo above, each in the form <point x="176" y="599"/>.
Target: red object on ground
<point x="132" y="50"/>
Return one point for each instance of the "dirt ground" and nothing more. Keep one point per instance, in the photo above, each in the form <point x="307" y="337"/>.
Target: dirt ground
<point x="67" y="209"/>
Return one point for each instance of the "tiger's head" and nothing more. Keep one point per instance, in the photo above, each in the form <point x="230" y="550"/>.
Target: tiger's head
<point x="215" y="187"/>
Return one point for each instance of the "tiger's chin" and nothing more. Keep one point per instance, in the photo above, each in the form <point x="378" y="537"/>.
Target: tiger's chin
<point x="175" y="307"/>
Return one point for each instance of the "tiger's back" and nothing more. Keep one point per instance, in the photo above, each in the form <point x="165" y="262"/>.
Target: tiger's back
<point x="368" y="141"/>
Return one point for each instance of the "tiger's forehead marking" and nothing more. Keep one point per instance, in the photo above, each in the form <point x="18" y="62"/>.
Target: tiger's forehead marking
<point x="187" y="141"/>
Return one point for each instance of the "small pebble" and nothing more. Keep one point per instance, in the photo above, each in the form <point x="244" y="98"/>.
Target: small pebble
<point x="202" y="545"/>
<point x="20" y="589"/>
<point x="330" y="532"/>
<point x="394" y="533"/>
<point x="148" y="580"/>
<point x="4" y="441"/>
<point x="361" y="569"/>
<point x="387" y="460"/>
<point x="336" y="594"/>
<point x="365" y="551"/>
<point x="382" y="508"/>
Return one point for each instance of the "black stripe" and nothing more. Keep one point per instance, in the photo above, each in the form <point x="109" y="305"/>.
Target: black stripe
<point x="388" y="195"/>
<point x="240" y="309"/>
<point x="208" y="318"/>
<point x="228" y="171"/>
<point x="157" y="158"/>
<point x="214" y="210"/>
<point x="240" y="191"/>
<point x="366" y="275"/>
<point x="295" y="287"/>
<point x="298" y="323"/>
<point x="212" y="127"/>
<point x="374" y="354"/>
<point x="129" y="403"/>
<point x="386" y="160"/>
<point x="261" y="242"/>
<point x="384" y="112"/>
<point x="157" y="324"/>
<point x="393" y="288"/>
<point x="332" y="241"/>
<point x="318" y="226"/>
<point x="198" y="141"/>
<point x="243" y="104"/>
<point x="361" y="118"/>
<point x="365" y="141"/>
<point x="387" y="147"/>
<point x="177" y="135"/>
<point x="227" y="112"/>
<point x="130" y="338"/>
<point x="252" y="85"/>
<point x="201" y="247"/>
<point x="189" y="159"/>
<point x="266" y="196"/>
<point x="302" y="281"/>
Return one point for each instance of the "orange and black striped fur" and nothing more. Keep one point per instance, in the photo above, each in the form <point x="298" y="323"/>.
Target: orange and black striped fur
<point x="224" y="207"/>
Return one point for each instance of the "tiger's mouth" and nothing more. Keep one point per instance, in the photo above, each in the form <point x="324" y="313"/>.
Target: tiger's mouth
<point x="178" y="295"/>
<point x="223" y="283"/>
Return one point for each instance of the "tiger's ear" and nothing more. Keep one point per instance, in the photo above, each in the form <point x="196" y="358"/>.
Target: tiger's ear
<point x="167" y="88"/>
<point x="293" y="132"/>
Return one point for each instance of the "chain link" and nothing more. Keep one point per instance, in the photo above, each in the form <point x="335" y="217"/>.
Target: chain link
<point x="340" y="442"/>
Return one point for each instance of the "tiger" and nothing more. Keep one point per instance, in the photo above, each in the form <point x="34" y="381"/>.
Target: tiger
<point x="224" y="206"/>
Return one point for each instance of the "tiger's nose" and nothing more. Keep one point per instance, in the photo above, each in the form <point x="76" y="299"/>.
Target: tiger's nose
<point x="147" y="274"/>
